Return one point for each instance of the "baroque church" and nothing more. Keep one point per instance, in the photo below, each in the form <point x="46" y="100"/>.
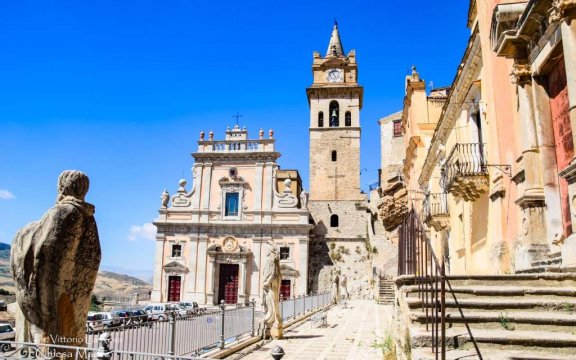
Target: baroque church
<point x="213" y="237"/>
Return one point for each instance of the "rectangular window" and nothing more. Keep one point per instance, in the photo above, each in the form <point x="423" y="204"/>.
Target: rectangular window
<point x="231" y="208"/>
<point x="176" y="250"/>
<point x="284" y="253"/>
<point x="397" y="128"/>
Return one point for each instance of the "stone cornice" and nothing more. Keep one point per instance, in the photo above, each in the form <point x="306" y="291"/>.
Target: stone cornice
<point x="236" y="156"/>
<point x="331" y="90"/>
<point x="560" y="8"/>
<point x="521" y="73"/>
<point x="465" y="76"/>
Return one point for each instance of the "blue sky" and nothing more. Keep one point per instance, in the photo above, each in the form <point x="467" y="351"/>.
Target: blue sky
<point x="121" y="90"/>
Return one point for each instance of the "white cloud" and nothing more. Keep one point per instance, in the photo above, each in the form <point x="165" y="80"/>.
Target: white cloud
<point x="6" y="195"/>
<point x="146" y="232"/>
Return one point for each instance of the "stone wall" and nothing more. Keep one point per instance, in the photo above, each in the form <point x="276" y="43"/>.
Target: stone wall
<point x="344" y="250"/>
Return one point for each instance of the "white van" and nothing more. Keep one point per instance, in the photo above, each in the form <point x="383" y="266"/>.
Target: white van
<point x="157" y="311"/>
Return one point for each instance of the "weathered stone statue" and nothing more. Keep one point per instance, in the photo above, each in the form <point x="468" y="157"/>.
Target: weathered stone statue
<point x="165" y="198"/>
<point x="271" y="295"/>
<point x="303" y="199"/>
<point x="336" y="290"/>
<point x="54" y="263"/>
<point x="344" y="286"/>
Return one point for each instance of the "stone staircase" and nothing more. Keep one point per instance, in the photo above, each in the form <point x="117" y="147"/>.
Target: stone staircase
<point x="385" y="291"/>
<point x="523" y="316"/>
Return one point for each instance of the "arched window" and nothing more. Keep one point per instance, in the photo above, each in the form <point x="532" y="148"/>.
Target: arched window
<point x="334" y="220"/>
<point x="320" y="119"/>
<point x="334" y="155"/>
<point x="348" y="118"/>
<point x="334" y="114"/>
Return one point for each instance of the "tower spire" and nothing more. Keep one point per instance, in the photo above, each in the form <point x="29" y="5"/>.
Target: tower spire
<point x="335" y="45"/>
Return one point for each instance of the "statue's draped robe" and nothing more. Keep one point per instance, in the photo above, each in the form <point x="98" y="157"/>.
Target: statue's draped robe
<point x="271" y="286"/>
<point x="55" y="262"/>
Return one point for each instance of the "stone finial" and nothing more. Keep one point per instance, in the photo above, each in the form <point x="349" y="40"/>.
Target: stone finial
<point x="165" y="198"/>
<point x="202" y="135"/>
<point x="261" y="133"/>
<point x="287" y="184"/>
<point x="211" y="135"/>
<point x="271" y="134"/>
<point x="182" y="184"/>
<point x="415" y="75"/>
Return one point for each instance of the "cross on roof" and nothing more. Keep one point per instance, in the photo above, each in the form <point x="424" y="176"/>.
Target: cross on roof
<point x="237" y="116"/>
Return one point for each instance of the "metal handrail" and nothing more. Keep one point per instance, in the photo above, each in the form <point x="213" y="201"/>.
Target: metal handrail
<point x="416" y="257"/>
<point x="435" y="204"/>
<point x="465" y="159"/>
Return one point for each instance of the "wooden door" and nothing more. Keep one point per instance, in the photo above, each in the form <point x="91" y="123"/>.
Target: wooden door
<point x="174" y="283"/>
<point x="285" y="289"/>
<point x="228" y="284"/>
<point x="564" y="146"/>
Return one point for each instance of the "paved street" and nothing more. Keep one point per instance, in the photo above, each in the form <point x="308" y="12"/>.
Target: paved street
<point x="350" y="334"/>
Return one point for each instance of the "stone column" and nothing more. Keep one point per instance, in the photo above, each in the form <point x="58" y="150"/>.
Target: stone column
<point x="258" y="187"/>
<point x="242" y="298"/>
<point x="211" y="273"/>
<point x="201" y="266"/>
<point x="256" y="267"/>
<point x="531" y="200"/>
<point x="156" y="295"/>
<point x="190" y="294"/>
<point x="303" y="279"/>
<point x="268" y="191"/>
<point x="546" y="146"/>
<point x="205" y="188"/>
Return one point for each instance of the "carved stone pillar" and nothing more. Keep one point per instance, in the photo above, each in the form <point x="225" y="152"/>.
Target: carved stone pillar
<point x="210" y="299"/>
<point x="532" y="244"/>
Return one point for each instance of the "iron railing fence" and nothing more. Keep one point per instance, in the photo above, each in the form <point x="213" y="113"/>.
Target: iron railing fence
<point x="179" y="334"/>
<point x="416" y="257"/>
<point x="435" y="204"/>
<point x="464" y="160"/>
<point x="297" y="306"/>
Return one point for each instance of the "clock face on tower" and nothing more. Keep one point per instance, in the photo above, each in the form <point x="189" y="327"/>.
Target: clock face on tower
<point x="335" y="75"/>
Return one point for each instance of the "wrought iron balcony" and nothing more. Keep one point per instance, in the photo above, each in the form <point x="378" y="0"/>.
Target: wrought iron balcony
<point x="436" y="211"/>
<point x="465" y="172"/>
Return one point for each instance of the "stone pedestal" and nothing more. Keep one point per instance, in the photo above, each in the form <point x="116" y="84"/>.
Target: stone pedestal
<point x="276" y="332"/>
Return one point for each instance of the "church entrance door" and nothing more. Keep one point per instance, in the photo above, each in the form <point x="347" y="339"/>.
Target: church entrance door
<point x="228" y="284"/>
<point x="174" y="283"/>
<point x="285" y="289"/>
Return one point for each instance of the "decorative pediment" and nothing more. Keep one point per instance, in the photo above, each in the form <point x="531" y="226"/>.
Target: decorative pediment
<point x="288" y="271"/>
<point x="175" y="267"/>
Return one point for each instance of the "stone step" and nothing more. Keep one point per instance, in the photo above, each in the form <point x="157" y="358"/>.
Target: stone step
<point x="538" y="279"/>
<point x="506" y="291"/>
<point x="491" y="354"/>
<point x="458" y="336"/>
<point x="516" y="320"/>
<point x="488" y="303"/>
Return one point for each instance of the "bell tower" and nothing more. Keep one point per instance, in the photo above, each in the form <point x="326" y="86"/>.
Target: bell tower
<point x="335" y="101"/>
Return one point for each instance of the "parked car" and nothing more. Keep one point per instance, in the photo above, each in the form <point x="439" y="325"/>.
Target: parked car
<point x="157" y="311"/>
<point x="137" y="316"/>
<point x="122" y="316"/>
<point x="7" y="333"/>
<point x="178" y="309"/>
<point x="192" y="307"/>
<point x="110" y="319"/>
<point x="94" y="322"/>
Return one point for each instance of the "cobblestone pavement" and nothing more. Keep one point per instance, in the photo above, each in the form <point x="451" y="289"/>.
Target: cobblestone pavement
<point x="350" y="334"/>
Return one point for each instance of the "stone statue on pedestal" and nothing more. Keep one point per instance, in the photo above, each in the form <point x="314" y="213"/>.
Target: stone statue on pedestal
<point x="336" y="290"/>
<point x="271" y="295"/>
<point x="54" y="263"/>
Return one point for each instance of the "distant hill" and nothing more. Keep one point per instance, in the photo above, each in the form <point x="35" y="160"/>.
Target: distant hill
<point x="108" y="284"/>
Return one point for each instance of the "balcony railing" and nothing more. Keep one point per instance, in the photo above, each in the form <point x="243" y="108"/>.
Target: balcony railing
<point x="465" y="172"/>
<point x="435" y="210"/>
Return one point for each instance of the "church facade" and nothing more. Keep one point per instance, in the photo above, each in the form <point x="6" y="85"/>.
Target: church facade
<point x="213" y="239"/>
